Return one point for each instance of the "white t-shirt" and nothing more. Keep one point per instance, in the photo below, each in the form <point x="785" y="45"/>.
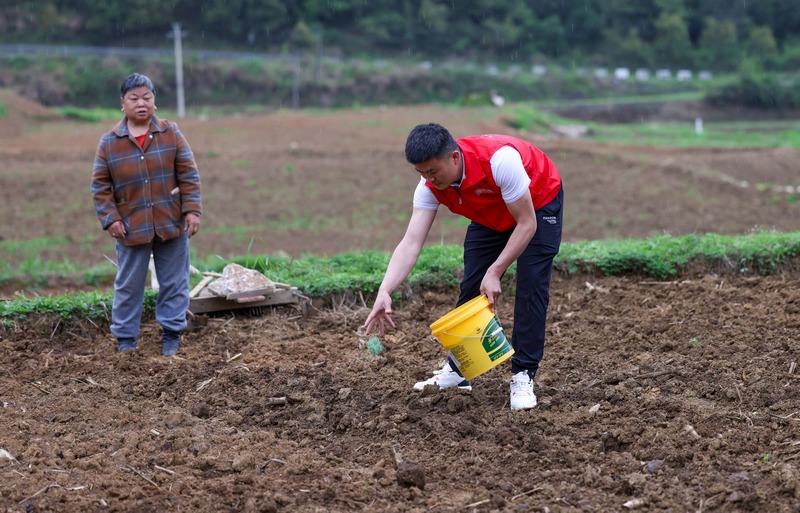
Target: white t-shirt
<point x="508" y="172"/>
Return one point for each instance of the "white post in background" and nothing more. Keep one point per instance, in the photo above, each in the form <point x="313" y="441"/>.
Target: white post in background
<point x="698" y="126"/>
<point x="177" y="35"/>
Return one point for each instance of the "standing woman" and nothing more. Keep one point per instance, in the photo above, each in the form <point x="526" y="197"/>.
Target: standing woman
<point x="146" y="191"/>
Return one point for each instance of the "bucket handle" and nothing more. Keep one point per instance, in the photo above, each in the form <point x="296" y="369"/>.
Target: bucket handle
<point x="495" y="332"/>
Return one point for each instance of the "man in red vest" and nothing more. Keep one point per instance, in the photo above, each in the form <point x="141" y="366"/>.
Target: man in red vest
<point x="511" y="191"/>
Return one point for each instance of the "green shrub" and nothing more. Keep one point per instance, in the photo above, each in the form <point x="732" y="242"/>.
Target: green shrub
<point x="757" y="91"/>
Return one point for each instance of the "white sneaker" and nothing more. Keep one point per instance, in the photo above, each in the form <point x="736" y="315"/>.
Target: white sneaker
<point x="522" y="396"/>
<point x="445" y="377"/>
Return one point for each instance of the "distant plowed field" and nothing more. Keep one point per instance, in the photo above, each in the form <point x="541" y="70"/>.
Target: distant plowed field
<point x="330" y="182"/>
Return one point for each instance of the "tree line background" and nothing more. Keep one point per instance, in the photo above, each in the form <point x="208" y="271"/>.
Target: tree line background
<point x="710" y="34"/>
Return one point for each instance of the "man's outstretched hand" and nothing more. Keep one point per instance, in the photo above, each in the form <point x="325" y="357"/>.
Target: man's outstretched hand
<point x="380" y="315"/>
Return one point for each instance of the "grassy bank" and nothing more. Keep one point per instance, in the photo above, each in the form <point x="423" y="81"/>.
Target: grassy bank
<point x="661" y="258"/>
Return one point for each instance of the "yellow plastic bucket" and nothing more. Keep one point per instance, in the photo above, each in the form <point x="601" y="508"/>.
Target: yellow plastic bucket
<point x="473" y="337"/>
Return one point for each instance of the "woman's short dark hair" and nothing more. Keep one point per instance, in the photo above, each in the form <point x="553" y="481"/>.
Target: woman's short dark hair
<point x="428" y="141"/>
<point x="133" y="81"/>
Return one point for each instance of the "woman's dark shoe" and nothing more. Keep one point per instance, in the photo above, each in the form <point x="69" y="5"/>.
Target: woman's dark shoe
<point x="170" y="341"/>
<point x="126" y="345"/>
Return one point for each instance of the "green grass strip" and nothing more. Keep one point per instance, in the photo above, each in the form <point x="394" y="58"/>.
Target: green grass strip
<point x="661" y="257"/>
<point x="727" y="134"/>
<point x="89" y="115"/>
<point x="665" y="257"/>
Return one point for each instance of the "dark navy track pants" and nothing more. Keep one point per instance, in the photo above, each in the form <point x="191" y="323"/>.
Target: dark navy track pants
<point x="483" y="245"/>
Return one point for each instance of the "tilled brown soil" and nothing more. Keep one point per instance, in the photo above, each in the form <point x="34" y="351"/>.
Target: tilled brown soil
<point x="655" y="396"/>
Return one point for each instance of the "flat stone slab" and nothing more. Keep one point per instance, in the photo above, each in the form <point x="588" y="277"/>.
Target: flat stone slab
<point x="237" y="281"/>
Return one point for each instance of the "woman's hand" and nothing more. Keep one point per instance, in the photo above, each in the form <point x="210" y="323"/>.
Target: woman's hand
<point x="117" y="230"/>
<point x="192" y="224"/>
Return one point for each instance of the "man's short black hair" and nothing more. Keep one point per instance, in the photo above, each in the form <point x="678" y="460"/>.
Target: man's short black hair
<point x="133" y="81"/>
<point x="428" y="141"/>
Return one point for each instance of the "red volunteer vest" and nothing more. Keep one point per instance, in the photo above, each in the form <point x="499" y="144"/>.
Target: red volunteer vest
<point x="479" y="199"/>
